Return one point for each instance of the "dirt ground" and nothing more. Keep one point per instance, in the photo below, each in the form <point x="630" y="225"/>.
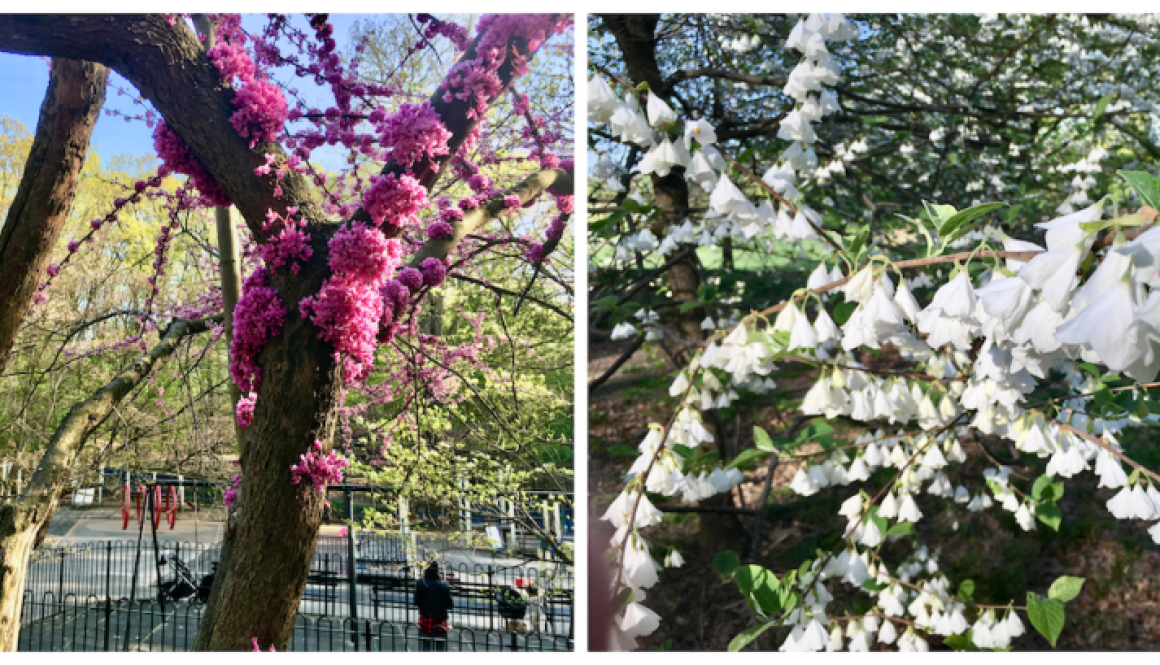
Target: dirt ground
<point x="1118" y="609"/>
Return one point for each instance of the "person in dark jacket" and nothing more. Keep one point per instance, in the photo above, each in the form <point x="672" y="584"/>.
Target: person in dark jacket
<point x="433" y="598"/>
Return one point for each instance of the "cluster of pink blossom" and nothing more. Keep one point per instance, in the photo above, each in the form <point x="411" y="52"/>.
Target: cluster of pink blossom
<point x="454" y="33"/>
<point x="244" y="413"/>
<point x="178" y="202"/>
<point x="258" y="318"/>
<point x="363" y="253"/>
<point x="262" y="111"/>
<point x="96" y="225"/>
<point x="538" y="252"/>
<point x="255" y="641"/>
<point x="504" y="38"/>
<point x="414" y="132"/>
<point x="177" y="158"/>
<point x="230" y="494"/>
<point x="231" y="59"/>
<point x="441" y="230"/>
<point x="434" y="271"/>
<point x="349" y="307"/>
<point x="319" y="469"/>
<point x="290" y="246"/>
<point x="394" y="200"/>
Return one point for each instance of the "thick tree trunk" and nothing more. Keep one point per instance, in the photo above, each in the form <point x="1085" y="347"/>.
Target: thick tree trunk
<point x="22" y="521"/>
<point x="635" y="34"/>
<point x="76" y="92"/>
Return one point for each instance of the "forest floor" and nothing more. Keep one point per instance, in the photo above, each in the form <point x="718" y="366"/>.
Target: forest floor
<point x="1118" y="609"/>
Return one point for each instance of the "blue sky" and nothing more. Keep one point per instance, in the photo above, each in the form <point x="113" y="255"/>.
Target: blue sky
<point x="24" y="79"/>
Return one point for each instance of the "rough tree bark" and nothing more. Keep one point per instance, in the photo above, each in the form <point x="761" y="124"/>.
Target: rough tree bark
<point x="76" y="92"/>
<point x="20" y="522"/>
<point x="635" y="35"/>
<point x="266" y="557"/>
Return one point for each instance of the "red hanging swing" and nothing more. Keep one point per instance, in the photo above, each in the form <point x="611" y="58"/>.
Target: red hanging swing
<point x="172" y="504"/>
<point x="156" y="506"/>
<point x="126" y="505"/>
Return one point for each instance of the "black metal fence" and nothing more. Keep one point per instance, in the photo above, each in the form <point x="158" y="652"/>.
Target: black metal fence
<point x="386" y="568"/>
<point x="72" y="623"/>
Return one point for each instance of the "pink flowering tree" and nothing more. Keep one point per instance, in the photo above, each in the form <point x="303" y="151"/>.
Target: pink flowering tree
<point x="336" y="266"/>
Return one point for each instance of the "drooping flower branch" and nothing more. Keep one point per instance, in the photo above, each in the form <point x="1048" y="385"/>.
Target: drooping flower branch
<point x="1006" y="314"/>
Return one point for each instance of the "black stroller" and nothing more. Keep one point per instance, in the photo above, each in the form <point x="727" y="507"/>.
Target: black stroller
<point x="183" y="585"/>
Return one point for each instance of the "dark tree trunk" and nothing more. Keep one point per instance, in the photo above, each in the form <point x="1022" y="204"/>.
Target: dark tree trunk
<point x="76" y="92"/>
<point x="635" y="35"/>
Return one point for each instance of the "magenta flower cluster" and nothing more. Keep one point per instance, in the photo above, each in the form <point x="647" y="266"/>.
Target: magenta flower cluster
<point x="349" y="307"/>
<point x="230" y="494"/>
<point x="290" y="246"/>
<point x="414" y="132"/>
<point x="394" y="199"/>
<point x="258" y="318"/>
<point x="509" y="38"/>
<point x="319" y="469"/>
<point x="434" y="271"/>
<point x="178" y="159"/>
<point x="244" y="413"/>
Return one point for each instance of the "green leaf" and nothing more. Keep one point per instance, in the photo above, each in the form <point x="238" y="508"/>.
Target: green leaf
<point x="859" y="241"/>
<point x="761" y="586"/>
<point x="1065" y="588"/>
<point x="1050" y="514"/>
<point x="1098" y="113"/>
<point x="901" y="529"/>
<point x="690" y="304"/>
<point x="843" y="311"/>
<point x="966" y="590"/>
<point x="878" y="520"/>
<point x="726" y="562"/>
<point x="1047" y="615"/>
<point x="940" y="214"/>
<point x="959" y="222"/>
<point x="871" y="584"/>
<point x="1043" y="484"/>
<point x="746" y="458"/>
<point x="748" y="635"/>
<point x="623" y="450"/>
<point x="1145" y="185"/>
<point x="961" y="642"/>
<point x="762" y="440"/>
<point x="606" y="225"/>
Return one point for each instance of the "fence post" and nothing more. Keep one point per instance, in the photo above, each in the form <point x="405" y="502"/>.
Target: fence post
<point x="352" y="564"/>
<point x="108" y="590"/>
<point x="60" y="582"/>
<point x="515" y="647"/>
<point x="368" y="636"/>
<point x="490" y="601"/>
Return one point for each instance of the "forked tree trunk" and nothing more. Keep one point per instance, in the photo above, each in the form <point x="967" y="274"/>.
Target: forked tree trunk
<point x="76" y="92"/>
<point x="266" y="556"/>
<point x="20" y="522"/>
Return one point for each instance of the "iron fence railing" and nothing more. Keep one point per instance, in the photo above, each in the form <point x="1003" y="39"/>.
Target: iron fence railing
<point x="386" y="568"/>
<point x="73" y="623"/>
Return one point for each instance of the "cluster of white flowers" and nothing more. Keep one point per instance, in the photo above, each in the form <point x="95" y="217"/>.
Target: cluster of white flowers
<point x="978" y="349"/>
<point x="731" y="214"/>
